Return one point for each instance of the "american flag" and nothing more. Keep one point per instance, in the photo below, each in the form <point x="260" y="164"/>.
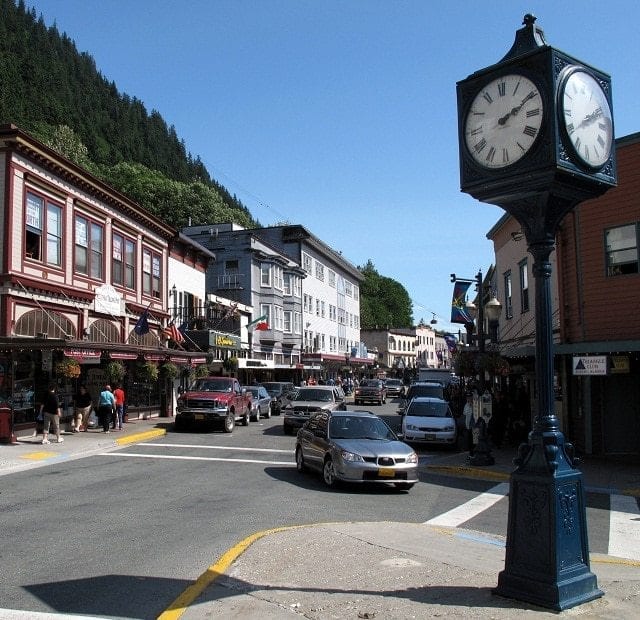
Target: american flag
<point x="172" y="332"/>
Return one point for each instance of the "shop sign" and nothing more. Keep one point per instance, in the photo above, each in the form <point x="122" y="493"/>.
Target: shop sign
<point x="620" y="365"/>
<point x="115" y="355"/>
<point x="108" y="300"/>
<point x="590" y="365"/>
<point x="223" y="341"/>
<point x="84" y="356"/>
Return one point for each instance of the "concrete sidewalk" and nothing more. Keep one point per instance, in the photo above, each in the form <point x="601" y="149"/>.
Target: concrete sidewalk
<point x="390" y="571"/>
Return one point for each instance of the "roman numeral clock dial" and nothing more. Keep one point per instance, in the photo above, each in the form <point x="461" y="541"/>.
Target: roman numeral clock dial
<point x="587" y="118"/>
<point x="503" y="121"/>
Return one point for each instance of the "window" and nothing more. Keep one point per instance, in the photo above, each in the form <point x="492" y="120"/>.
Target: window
<point x="265" y="310"/>
<point x="297" y="286"/>
<point x="286" y="283"/>
<point x="621" y="247"/>
<point x="524" y="286"/>
<point x="320" y="271"/>
<point x="89" y="247"/>
<point x="265" y="274"/>
<point x="43" y="221"/>
<point x="277" y="318"/>
<point x="151" y="273"/>
<point x="123" y="264"/>
<point x="348" y="288"/>
<point x="297" y="323"/>
<point x="508" y="299"/>
<point x="317" y="307"/>
<point x="306" y="262"/>
<point x="308" y="303"/>
<point x="231" y="266"/>
<point x="277" y="277"/>
<point x="287" y="321"/>
<point x="332" y="278"/>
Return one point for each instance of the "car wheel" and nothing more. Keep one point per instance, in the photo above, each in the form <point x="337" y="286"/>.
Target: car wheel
<point x="268" y="414"/>
<point x="404" y="486"/>
<point x="300" y="464"/>
<point x="229" y="422"/>
<point x="256" y="417"/>
<point x="246" y="418"/>
<point x="287" y="430"/>
<point x="329" y="474"/>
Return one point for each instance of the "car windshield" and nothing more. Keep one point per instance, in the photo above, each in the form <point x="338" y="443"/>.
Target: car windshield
<point x="393" y="382"/>
<point x="254" y="391"/>
<point x="325" y="396"/>
<point x="430" y="409"/>
<point x="356" y="427"/>
<point x="211" y="385"/>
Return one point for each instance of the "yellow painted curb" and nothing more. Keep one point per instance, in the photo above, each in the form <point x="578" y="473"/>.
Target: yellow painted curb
<point x="180" y="605"/>
<point x="470" y="472"/>
<point x="39" y="456"/>
<point x="156" y="432"/>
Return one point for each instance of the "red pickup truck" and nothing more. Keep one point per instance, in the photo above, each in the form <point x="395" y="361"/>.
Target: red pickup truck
<point x="213" y="402"/>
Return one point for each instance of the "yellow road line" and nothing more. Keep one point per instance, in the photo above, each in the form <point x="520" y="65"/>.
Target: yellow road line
<point x="180" y="605"/>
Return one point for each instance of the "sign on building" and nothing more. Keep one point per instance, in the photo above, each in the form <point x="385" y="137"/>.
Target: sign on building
<point x="590" y="365"/>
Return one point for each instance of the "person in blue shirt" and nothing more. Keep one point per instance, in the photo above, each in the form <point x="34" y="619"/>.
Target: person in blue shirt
<point x="106" y="407"/>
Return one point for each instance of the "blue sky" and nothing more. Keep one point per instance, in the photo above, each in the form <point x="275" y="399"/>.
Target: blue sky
<point x="341" y="115"/>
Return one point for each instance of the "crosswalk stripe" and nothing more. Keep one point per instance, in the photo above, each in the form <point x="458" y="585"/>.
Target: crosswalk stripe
<point x="194" y="458"/>
<point x="624" y="527"/>
<point x="457" y="516"/>
<point x="195" y="446"/>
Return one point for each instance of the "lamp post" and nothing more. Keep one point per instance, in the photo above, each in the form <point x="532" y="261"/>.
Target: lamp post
<point x="482" y="451"/>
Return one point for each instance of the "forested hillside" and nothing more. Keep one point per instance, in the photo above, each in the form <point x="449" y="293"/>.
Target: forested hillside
<point x="48" y="85"/>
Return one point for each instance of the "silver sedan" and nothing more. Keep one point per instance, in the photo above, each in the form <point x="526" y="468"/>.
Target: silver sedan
<point x="355" y="446"/>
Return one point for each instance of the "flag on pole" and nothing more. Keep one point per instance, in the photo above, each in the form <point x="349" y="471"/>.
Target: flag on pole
<point x="459" y="313"/>
<point x="451" y="341"/>
<point x="260" y="324"/>
<point x="142" y="325"/>
<point x="172" y="332"/>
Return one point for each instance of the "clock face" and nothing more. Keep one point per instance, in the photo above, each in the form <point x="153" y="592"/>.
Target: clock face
<point x="587" y="118"/>
<point x="503" y="121"/>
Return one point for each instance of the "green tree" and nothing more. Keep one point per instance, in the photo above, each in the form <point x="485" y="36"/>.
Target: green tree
<point x="384" y="302"/>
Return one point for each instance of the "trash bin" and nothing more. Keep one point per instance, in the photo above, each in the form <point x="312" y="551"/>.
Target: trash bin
<point x="6" y="424"/>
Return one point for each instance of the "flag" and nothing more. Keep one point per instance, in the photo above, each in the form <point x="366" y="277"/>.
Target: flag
<point x="172" y="332"/>
<point x="231" y="310"/>
<point x="260" y="323"/>
<point x="451" y="341"/>
<point x="142" y="326"/>
<point x="459" y="313"/>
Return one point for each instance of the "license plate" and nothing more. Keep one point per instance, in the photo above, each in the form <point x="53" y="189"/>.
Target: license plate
<point x="386" y="472"/>
<point x="198" y="416"/>
<point x="430" y="436"/>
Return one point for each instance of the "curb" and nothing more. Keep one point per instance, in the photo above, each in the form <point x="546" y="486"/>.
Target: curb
<point x="143" y="436"/>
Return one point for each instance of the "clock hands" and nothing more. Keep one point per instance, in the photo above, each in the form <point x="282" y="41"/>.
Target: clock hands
<point x="589" y="118"/>
<point x="514" y="111"/>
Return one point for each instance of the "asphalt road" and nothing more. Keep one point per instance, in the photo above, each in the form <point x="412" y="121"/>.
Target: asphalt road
<point x="122" y="534"/>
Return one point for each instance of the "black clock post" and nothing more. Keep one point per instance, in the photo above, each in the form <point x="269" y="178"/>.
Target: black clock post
<point x="536" y="138"/>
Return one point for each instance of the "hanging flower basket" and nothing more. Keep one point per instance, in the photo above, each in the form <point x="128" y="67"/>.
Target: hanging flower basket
<point x="68" y="368"/>
<point x="230" y="364"/>
<point x="146" y="372"/>
<point x="169" y="371"/>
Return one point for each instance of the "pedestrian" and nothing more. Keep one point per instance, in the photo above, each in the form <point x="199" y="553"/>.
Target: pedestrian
<point x="467" y="414"/>
<point x="106" y="408"/>
<point x="82" y="402"/>
<point x="118" y="418"/>
<point x="51" y="412"/>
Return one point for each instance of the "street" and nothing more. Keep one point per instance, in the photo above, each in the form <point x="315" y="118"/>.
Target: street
<point x="123" y="533"/>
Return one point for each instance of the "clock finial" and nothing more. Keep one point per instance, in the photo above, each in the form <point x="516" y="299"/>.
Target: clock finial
<point x="528" y="38"/>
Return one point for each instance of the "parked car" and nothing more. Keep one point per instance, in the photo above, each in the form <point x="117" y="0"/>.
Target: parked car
<point x="429" y="420"/>
<point x="395" y="387"/>
<point x="260" y="402"/>
<point x="370" y="390"/>
<point x="310" y="400"/>
<point x="355" y="446"/>
<point x="433" y="389"/>
<point x="280" y="392"/>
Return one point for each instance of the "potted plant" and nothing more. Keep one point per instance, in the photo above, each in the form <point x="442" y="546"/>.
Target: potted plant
<point x="146" y="372"/>
<point x="169" y="371"/>
<point x="114" y="372"/>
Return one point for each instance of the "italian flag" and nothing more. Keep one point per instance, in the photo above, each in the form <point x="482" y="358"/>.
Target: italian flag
<point x="259" y="324"/>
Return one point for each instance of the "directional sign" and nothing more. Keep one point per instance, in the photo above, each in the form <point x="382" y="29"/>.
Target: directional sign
<point x="590" y="365"/>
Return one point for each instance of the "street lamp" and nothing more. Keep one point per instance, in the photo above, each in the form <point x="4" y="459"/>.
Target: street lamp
<point x="492" y="309"/>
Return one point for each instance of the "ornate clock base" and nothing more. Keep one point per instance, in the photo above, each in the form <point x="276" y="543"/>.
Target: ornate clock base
<point x="547" y="553"/>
